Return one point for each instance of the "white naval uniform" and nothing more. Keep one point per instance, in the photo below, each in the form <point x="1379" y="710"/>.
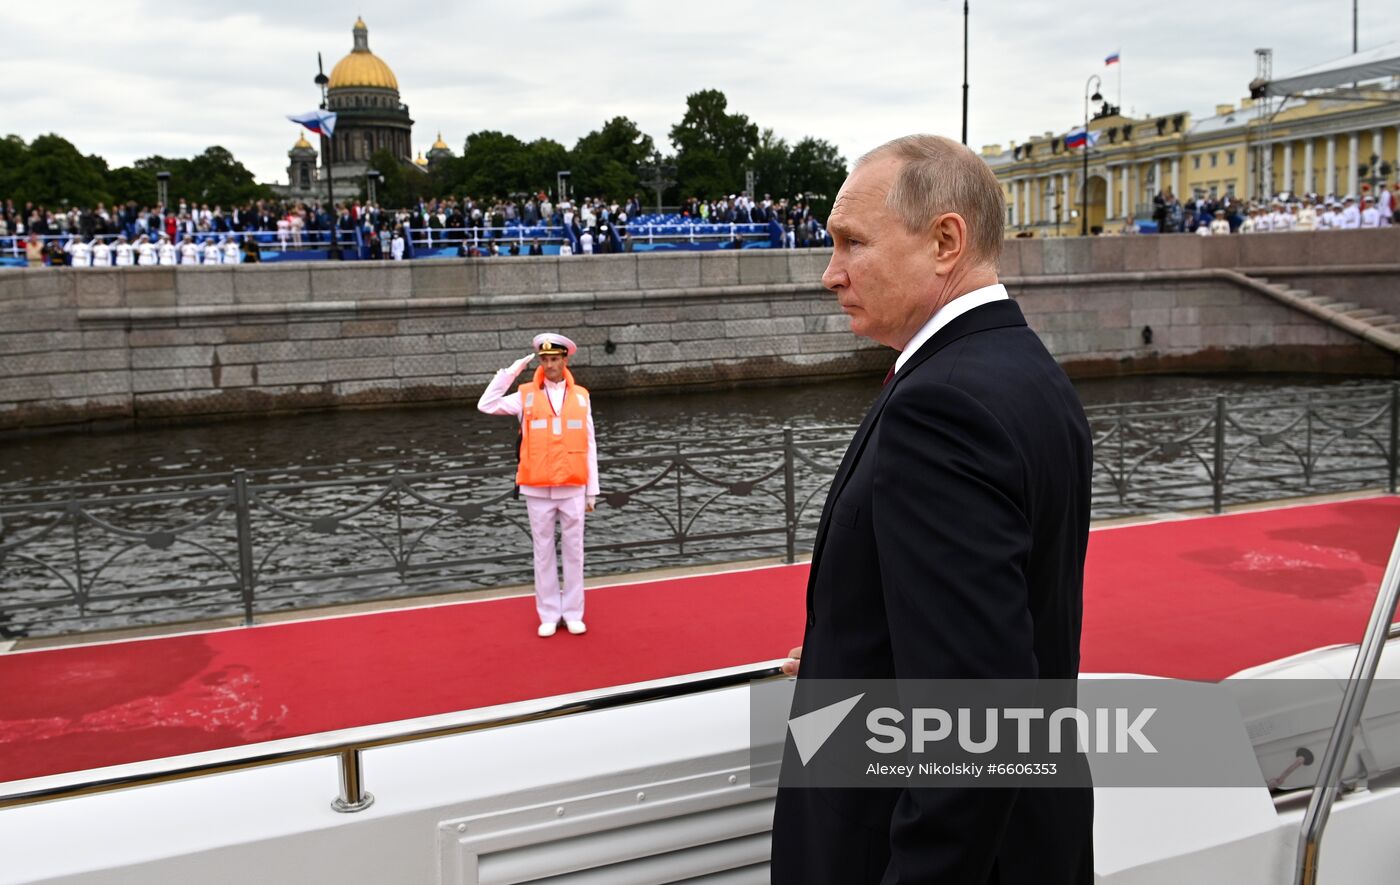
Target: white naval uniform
<point x="1370" y="217"/>
<point x="123" y="253"/>
<point x="189" y="254"/>
<point x="165" y="253"/>
<point x="1351" y="218"/>
<point x="145" y="254"/>
<point x="80" y="254"/>
<point x="546" y="504"/>
<point x="231" y="255"/>
<point x="213" y="252"/>
<point x="101" y="254"/>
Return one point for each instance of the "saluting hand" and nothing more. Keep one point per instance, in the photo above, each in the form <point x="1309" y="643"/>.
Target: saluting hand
<point x="519" y="365"/>
<point x="790" y="667"/>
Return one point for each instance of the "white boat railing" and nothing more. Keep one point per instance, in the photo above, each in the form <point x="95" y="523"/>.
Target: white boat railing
<point x="1363" y="674"/>
<point x="348" y="745"/>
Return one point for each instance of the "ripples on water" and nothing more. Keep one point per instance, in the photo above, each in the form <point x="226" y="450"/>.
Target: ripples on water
<point x="463" y="530"/>
<point x="449" y="431"/>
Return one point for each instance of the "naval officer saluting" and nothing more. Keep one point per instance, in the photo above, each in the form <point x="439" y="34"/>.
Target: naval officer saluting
<point x="558" y="472"/>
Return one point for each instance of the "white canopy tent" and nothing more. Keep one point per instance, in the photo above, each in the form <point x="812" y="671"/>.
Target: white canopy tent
<point x="1372" y="64"/>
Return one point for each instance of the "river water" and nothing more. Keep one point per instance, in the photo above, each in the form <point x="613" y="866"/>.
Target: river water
<point x="361" y="504"/>
<point x="449" y="431"/>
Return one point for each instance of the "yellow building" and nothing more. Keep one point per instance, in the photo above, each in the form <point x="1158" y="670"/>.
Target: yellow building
<point x="1314" y="143"/>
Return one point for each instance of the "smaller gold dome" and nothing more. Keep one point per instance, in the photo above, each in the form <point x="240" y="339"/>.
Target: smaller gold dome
<point x="440" y="145"/>
<point x="302" y="143"/>
<point x="419" y="159"/>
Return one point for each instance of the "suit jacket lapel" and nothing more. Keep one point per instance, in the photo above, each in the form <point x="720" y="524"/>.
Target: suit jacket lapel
<point x="996" y="315"/>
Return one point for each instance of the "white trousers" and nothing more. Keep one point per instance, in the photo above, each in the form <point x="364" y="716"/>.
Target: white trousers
<point x="551" y="601"/>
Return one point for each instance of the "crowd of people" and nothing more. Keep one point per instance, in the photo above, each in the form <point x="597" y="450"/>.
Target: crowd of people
<point x="185" y="232"/>
<point x="1208" y="216"/>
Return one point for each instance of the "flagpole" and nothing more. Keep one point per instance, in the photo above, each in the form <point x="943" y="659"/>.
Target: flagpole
<point x="328" y="146"/>
<point x="1120" y="80"/>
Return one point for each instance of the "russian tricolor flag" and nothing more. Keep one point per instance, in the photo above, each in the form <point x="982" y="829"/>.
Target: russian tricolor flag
<point x="1080" y="138"/>
<point x="1111" y="60"/>
<point x="318" y="121"/>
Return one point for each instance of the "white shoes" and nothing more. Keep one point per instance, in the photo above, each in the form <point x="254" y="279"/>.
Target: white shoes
<point x="575" y="627"/>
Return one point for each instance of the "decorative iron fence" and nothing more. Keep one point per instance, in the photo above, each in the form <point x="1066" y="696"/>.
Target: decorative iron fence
<point x="99" y="555"/>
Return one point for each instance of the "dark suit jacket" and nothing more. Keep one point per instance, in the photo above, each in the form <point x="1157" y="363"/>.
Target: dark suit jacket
<point x="951" y="546"/>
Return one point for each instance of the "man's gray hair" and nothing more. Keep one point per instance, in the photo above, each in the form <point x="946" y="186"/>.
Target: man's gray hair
<point x="938" y="175"/>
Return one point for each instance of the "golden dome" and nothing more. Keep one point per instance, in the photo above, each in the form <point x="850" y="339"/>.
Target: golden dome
<point x="302" y="143"/>
<point x="419" y="159"/>
<point x="440" y="145"/>
<point x="362" y="68"/>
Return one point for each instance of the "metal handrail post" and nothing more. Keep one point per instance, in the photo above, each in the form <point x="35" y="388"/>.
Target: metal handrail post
<point x="353" y="795"/>
<point x="1394" y="433"/>
<point x="1363" y="673"/>
<point x="790" y="494"/>
<point x="245" y="543"/>
<point x="1219" y="463"/>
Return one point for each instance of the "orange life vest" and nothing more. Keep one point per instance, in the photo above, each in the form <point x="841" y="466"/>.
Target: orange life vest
<point x="553" y="448"/>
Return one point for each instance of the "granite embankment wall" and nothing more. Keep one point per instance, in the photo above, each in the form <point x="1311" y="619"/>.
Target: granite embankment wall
<point x="159" y="343"/>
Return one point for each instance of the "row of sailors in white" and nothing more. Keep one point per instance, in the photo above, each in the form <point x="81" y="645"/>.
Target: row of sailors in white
<point x="1328" y="215"/>
<point x="144" y="253"/>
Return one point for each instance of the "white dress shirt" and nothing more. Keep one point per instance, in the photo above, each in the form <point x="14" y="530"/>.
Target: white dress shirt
<point x="496" y="401"/>
<point x="946" y="314"/>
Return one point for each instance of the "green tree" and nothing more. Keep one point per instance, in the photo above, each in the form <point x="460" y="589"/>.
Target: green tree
<point x="216" y="178"/>
<point x="544" y="159"/>
<point x="399" y="187"/>
<point x="713" y="146"/>
<point x="492" y="162"/>
<point x="604" y="162"/>
<point x="771" y="161"/>
<point x="50" y="171"/>
<point x="495" y="164"/>
<point x="817" y="169"/>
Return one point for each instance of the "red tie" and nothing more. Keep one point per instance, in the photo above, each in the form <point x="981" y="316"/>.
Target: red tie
<point x="888" y="376"/>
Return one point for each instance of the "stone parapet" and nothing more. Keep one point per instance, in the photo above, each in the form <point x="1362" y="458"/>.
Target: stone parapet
<point x="85" y="344"/>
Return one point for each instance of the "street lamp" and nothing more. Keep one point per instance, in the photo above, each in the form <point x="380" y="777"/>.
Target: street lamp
<point x="657" y="175"/>
<point x="333" y="253"/>
<point x="1093" y="82"/>
<point x="561" y="182"/>
<point x="964" y="86"/>
<point x="163" y="191"/>
<point x="371" y="179"/>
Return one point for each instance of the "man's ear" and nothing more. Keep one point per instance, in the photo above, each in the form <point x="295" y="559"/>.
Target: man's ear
<point x="948" y="234"/>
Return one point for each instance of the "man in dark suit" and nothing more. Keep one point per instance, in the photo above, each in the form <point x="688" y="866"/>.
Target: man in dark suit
<point x="952" y="541"/>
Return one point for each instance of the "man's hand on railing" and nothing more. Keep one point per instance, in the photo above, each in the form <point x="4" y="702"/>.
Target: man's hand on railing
<point x="790" y="667"/>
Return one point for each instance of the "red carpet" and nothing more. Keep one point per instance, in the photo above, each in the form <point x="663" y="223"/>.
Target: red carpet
<point x="1199" y="598"/>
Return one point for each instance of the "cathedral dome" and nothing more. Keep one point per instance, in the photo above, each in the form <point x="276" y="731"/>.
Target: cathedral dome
<point x="362" y="68"/>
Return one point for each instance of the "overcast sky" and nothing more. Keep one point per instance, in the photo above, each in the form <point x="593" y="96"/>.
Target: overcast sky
<point x="130" y="79"/>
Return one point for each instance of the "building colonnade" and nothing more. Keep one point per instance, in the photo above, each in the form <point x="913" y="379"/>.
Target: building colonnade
<point x="1290" y="164"/>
